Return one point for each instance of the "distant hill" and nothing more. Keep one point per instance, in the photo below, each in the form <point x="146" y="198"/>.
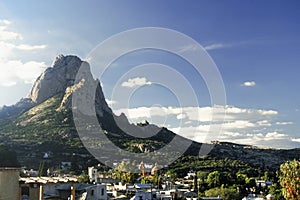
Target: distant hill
<point x="41" y="128"/>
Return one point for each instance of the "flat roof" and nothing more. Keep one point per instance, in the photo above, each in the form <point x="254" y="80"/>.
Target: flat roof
<point x="45" y="180"/>
<point x="9" y="168"/>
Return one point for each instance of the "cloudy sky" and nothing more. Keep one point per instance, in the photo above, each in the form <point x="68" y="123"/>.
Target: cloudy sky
<point x="254" y="44"/>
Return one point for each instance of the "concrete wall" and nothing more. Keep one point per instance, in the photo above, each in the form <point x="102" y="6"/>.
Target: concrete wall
<point x="96" y="192"/>
<point x="9" y="184"/>
<point x="34" y="191"/>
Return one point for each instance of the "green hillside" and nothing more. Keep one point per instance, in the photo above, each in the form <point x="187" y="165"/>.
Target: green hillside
<point x="43" y="123"/>
<point x="40" y="129"/>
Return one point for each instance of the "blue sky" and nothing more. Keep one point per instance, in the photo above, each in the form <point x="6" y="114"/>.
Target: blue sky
<point x="255" y="45"/>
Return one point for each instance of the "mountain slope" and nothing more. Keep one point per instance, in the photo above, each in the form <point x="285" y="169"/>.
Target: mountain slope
<point x="43" y="124"/>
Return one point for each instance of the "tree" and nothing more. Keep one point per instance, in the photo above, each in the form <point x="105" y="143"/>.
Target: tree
<point x="241" y="178"/>
<point x="146" y="180"/>
<point x="224" y="193"/>
<point x="289" y="178"/>
<point x="216" y="179"/>
<point x="202" y="175"/>
<point x="123" y="172"/>
<point x="195" y="184"/>
<point x="83" y="178"/>
<point x="251" y="182"/>
<point x="172" y="175"/>
<point x="275" y="190"/>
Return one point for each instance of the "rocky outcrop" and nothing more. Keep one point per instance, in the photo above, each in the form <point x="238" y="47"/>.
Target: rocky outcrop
<point x="60" y="78"/>
<point x="21" y="106"/>
<point x="56" y="78"/>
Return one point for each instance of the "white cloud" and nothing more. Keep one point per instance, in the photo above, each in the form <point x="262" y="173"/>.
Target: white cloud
<point x="8" y="39"/>
<point x="216" y="46"/>
<point x="230" y="130"/>
<point x="5" y="34"/>
<point x="268" y="112"/>
<point x="187" y="48"/>
<point x="138" y="81"/>
<point x="7" y="48"/>
<point x="14" y="71"/>
<point x="269" y="139"/>
<point x="29" y="47"/>
<point x="273" y="139"/>
<point x="231" y="134"/>
<point x="276" y="136"/>
<point x="181" y="116"/>
<point x="198" y="133"/>
<point x="235" y="110"/>
<point x="249" y="84"/>
<point x="263" y="123"/>
<point x="5" y="22"/>
<point x="202" y="114"/>
<point x="239" y="124"/>
<point x="110" y="102"/>
<point x="198" y="120"/>
<point x="296" y="140"/>
<point x="284" y="123"/>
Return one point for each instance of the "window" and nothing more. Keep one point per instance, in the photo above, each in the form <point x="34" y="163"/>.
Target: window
<point x="92" y="193"/>
<point x="102" y="192"/>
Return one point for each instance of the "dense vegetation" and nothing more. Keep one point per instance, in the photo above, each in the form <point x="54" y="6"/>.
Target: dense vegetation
<point x="289" y="177"/>
<point x="7" y="158"/>
<point x="229" y="179"/>
<point x="29" y="126"/>
<point x="43" y="129"/>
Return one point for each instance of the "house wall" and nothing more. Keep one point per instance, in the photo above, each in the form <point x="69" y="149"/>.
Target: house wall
<point x="97" y="192"/>
<point x="9" y="184"/>
<point x="64" y="194"/>
<point x="34" y="192"/>
<point x="50" y="189"/>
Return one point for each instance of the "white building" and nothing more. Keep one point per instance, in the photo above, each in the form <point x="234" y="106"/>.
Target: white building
<point x="93" y="174"/>
<point x="94" y="192"/>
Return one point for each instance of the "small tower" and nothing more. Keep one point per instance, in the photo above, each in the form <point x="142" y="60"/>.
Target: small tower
<point x="142" y="168"/>
<point x="93" y="174"/>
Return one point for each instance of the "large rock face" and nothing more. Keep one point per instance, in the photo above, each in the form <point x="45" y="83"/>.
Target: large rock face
<point x="55" y="79"/>
<point x="60" y="78"/>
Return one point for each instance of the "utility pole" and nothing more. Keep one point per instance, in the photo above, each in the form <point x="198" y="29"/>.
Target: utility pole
<point x="73" y="188"/>
<point x="41" y="195"/>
